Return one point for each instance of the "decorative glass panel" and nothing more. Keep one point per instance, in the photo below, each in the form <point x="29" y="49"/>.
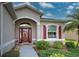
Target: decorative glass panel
<point x="51" y="28"/>
<point x="25" y="25"/>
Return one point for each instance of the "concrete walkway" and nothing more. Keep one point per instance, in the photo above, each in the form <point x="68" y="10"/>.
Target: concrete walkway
<point x="27" y="51"/>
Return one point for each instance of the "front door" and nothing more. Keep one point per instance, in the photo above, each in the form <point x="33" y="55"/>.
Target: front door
<point x="25" y="35"/>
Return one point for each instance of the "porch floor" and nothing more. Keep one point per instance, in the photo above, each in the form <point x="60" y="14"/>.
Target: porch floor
<point x="27" y="51"/>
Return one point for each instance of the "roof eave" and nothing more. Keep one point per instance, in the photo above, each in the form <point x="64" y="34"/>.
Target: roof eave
<point x="10" y="9"/>
<point x="53" y="20"/>
<point x="25" y="5"/>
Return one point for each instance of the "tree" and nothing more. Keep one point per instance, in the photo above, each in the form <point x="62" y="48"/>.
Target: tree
<point x="73" y="24"/>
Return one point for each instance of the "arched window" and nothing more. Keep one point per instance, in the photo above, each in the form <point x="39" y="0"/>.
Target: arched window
<point x="51" y="31"/>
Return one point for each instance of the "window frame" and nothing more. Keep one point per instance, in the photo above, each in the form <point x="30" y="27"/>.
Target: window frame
<point x="56" y="31"/>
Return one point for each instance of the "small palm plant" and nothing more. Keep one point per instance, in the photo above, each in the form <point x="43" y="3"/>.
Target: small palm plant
<point x="73" y="24"/>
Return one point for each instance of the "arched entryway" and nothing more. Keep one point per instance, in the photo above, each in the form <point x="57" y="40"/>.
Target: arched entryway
<point x="25" y="30"/>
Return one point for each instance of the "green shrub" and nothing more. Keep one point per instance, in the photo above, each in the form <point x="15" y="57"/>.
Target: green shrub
<point x="42" y="44"/>
<point x="44" y="53"/>
<point x="70" y="45"/>
<point x="67" y="39"/>
<point x="57" y="55"/>
<point x="71" y="40"/>
<point x="72" y="52"/>
<point x="51" y="53"/>
<point x="58" y="44"/>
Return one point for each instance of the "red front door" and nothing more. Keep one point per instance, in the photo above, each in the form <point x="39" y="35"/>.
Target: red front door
<point x="25" y="35"/>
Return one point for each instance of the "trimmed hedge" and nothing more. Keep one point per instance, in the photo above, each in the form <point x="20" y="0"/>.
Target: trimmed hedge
<point x="67" y="39"/>
<point x="70" y="45"/>
<point x="58" y="44"/>
<point x="42" y="44"/>
<point x="71" y="40"/>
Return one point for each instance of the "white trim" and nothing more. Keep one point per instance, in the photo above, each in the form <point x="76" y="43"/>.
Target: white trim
<point x="54" y="39"/>
<point x="1" y="28"/>
<point x="56" y="31"/>
<point x="25" y="17"/>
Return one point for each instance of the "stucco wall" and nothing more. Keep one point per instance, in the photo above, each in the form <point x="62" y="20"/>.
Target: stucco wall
<point x="0" y="23"/>
<point x="71" y="35"/>
<point x="8" y="31"/>
<point x="33" y="25"/>
<point x="0" y="29"/>
<point x="26" y="12"/>
<point x="48" y="23"/>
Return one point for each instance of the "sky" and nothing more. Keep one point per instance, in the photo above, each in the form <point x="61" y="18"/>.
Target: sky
<point x="56" y="10"/>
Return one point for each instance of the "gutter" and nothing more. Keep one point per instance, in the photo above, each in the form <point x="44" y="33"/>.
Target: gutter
<point x="53" y="20"/>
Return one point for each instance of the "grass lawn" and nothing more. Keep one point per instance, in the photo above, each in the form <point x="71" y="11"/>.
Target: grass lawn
<point x="12" y="53"/>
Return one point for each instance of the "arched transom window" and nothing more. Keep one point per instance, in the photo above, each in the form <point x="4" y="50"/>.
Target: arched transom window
<point x="25" y="25"/>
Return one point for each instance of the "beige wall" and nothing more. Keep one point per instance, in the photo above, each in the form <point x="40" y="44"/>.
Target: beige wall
<point x="26" y="12"/>
<point x="33" y="25"/>
<point x="29" y="14"/>
<point x="8" y="31"/>
<point x="71" y="35"/>
<point x="0" y="23"/>
<point x="0" y="29"/>
<point x="48" y="23"/>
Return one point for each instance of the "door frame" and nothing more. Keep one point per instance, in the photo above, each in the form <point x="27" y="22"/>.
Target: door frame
<point x="20" y="40"/>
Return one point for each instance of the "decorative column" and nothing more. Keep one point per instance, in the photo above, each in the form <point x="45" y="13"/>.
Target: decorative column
<point x="38" y="31"/>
